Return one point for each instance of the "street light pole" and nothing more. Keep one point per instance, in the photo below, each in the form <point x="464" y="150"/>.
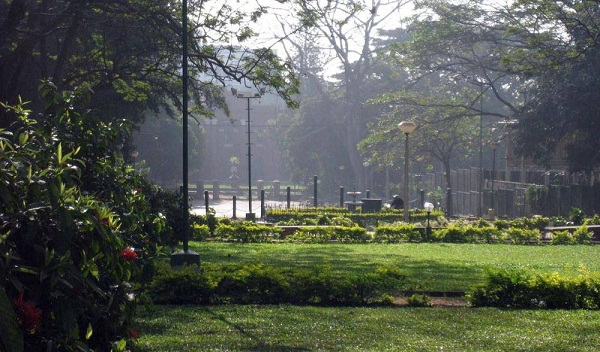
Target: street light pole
<point x="428" y="208"/>
<point x="493" y="207"/>
<point x="186" y="256"/>
<point x="248" y="96"/>
<point x="407" y="127"/>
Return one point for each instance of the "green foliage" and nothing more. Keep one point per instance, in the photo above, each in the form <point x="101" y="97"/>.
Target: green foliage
<point x="246" y="232"/>
<point x="462" y="233"/>
<point x="327" y="234"/>
<point x="77" y="226"/>
<point x="577" y="216"/>
<point x="397" y="234"/>
<point x="518" y="289"/>
<point x="264" y="284"/>
<point x="337" y="216"/>
<point x="562" y="237"/>
<point x="200" y="232"/>
<point x="523" y="236"/>
<point x="419" y="300"/>
<point x="582" y="235"/>
<point x="184" y="285"/>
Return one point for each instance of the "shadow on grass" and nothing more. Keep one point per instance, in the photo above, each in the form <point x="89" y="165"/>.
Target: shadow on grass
<point x="424" y="274"/>
<point x="258" y="343"/>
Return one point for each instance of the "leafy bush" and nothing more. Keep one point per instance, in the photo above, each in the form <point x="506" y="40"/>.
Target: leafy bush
<point x="354" y="234"/>
<point x="517" y="289"/>
<point x="261" y="284"/>
<point x="523" y="236"/>
<point x="419" y="300"/>
<point x="77" y="225"/>
<point x="185" y="285"/>
<point x="462" y="233"/>
<point x="246" y="232"/>
<point x="582" y="235"/>
<point x="397" y="234"/>
<point x="313" y="234"/>
<point x="200" y="232"/>
<point x="562" y="237"/>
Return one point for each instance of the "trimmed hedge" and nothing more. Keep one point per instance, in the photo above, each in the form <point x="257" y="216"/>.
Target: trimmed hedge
<point x="326" y="234"/>
<point x="263" y="284"/>
<point x="518" y="289"/>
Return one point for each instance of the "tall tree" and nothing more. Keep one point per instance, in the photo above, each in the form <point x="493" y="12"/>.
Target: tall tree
<point x="129" y="52"/>
<point x="347" y="29"/>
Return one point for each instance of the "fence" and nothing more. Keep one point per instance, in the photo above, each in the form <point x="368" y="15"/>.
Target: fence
<point x="472" y="194"/>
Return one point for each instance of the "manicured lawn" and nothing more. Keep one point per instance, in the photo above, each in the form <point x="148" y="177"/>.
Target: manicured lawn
<point x="445" y="267"/>
<point x="289" y="328"/>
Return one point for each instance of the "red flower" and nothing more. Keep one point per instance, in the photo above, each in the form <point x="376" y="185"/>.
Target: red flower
<point x="28" y="315"/>
<point x="133" y="333"/>
<point x="128" y="254"/>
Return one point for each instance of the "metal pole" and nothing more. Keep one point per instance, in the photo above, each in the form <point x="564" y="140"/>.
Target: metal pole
<point x="493" y="177"/>
<point x="186" y="256"/>
<point x="249" y="165"/>
<point x="315" y="179"/>
<point x="406" y="200"/>
<point x="234" y="207"/>
<point x="184" y="205"/>
<point x="480" y="197"/>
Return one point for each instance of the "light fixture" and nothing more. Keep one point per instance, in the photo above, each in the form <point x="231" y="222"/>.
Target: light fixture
<point x="428" y="208"/>
<point x="407" y="127"/>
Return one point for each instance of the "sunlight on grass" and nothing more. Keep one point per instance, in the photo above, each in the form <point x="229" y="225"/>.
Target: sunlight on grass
<point x="445" y="267"/>
<point x="289" y="328"/>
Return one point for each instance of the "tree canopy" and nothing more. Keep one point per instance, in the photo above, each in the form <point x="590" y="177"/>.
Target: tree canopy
<point x="128" y="53"/>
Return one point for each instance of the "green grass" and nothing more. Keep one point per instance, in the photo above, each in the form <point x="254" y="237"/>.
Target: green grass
<point x="289" y="328"/>
<point x="444" y="267"/>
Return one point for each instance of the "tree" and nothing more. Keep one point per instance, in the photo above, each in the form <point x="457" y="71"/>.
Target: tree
<point x="348" y="30"/>
<point x="129" y="53"/>
<point x="446" y="134"/>
<point x="518" y="52"/>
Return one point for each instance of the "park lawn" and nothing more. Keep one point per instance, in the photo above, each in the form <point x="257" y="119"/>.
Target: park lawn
<point x="430" y="267"/>
<point x="291" y="328"/>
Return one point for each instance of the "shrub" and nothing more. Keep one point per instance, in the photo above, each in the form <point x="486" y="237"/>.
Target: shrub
<point x="200" y="232"/>
<point x="246" y="232"/>
<point x="396" y="234"/>
<point x="517" y="289"/>
<point x="254" y="283"/>
<point x="313" y="234"/>
<point x="350" y="234"/>
<point x="419" y="300"/>
<point x="77" y="226"/>
<point x="262" y="284"/>
<point x="582" y="235"/>
<point x="523" y="236"/>
<point x="562" y="237"/>
<point x="186" y="285"/>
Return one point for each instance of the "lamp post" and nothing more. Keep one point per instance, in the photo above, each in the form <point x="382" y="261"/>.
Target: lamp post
<point x="186" y="256"/>
<point x="407" y="127"/>
<point x="492" y="211"/>
<point x="248" y="95"/>
<point x="428" y="208"/>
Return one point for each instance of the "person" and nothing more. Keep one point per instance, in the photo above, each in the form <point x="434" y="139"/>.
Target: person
<point x="397" y="202"/>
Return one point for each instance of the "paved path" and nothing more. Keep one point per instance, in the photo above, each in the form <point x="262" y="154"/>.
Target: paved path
<point x="224" y="207"/>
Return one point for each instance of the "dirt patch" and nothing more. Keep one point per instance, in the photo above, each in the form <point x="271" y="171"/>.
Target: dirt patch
<point x="438" y="302"/>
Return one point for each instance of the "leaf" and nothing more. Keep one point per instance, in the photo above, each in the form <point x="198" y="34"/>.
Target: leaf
<point x="11" y="337"/>
<point x="59" y="153"/>
<point x="89" y="332"/>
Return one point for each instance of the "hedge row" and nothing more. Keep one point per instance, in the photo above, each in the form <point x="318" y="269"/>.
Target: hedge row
<point x="518" y="289"/>
<point x="323" y="216"/>
<point x="262" y="284"/>
<point x="249" y="232"/>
